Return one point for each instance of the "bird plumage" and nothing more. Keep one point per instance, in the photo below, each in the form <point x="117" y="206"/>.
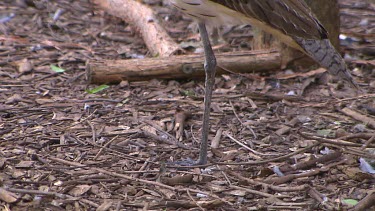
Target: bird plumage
<point x="289" y="16"/>
<point x="289" y="20"/>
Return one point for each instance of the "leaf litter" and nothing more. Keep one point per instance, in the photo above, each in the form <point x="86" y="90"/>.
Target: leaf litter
<point x="64" y="148"/>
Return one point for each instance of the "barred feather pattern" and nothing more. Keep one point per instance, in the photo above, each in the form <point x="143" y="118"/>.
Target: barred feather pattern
<point x="292" y="17"/>
<point x="326" y="55"/>
<point x="289" y="20"/>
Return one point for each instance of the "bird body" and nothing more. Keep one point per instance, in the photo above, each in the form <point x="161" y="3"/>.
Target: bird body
<point x="220" y="12"/>
<point x="291" y="21"/>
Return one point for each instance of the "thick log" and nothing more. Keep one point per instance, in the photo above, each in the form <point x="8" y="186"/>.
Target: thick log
<point x="143" y="19"/>
<point x="179" y="67"/>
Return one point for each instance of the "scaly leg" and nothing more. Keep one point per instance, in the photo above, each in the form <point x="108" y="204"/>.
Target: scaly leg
<point x="210" y="70"/>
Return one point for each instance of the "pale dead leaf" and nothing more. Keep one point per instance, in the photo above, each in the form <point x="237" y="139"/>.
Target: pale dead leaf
<point x="18" y="173"/>
<point x="42" y="101"/>
<point x="14" y="99"/>
<point x="25" y="164"/>
<point x="7" y="196"/>
<point x="24" y="66"/>
<point x="105" y="205"/>
<point x="79" y="190"/>
<point x="237" y="192"/>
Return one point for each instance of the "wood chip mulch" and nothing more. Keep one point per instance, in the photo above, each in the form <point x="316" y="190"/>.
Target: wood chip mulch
<point x="64" y="148"/>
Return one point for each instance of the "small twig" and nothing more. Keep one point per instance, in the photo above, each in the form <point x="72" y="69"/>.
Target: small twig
<point x="200" y="207"/>
<point x="238" y="118"/>
<point x="319" y="197"/>
<point x="248" y="148"/>
<point x="367" y="202"/>
<point x="92" y="131"/>
<point x="105" y="146"/>
<point x="281" y="158"/>
<point x="244" y="146"/>
<point x="358" y="116"/>
<point x="284" y="157"/>
<point x="47" y="76"/>
<point x="335" y="102"/>
<point x="331" y="141"/>
<point x="358" y="135"/>
<point x="136" y="175"/>
<point x="312" y="162"/>
<point x="358" y="152"/>
<point x="82" y="120"/>
<point x="224" y="174"/>
<point x="208" y="194"/>
<point x="269" y="186"/>
<point x="259" y="192"/>
<point x="368" y="142"/>
<point x="290" y="177"/>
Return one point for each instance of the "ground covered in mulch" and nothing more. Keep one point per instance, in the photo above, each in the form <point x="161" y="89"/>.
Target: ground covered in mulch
<point x="63" y="147"/>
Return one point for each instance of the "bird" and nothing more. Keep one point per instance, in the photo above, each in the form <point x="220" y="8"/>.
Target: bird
<point x="291" y="21"/>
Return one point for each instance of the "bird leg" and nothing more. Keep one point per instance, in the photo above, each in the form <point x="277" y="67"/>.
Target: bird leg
<point x="210" y="70"/>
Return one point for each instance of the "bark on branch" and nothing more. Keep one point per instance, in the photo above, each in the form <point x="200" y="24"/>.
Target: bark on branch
<point x="178" y="67"/>
<point x="143" y="19"/>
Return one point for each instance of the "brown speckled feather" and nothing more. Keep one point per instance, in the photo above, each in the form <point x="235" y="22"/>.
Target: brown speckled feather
<point x="292" y="17"/>
<point x="289" y="20"/>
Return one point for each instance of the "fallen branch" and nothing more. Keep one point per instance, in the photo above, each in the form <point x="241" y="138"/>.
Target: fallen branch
<point x="367" y="202"/>
<point x="359" y="117"/>
<point x="335" y="142"/>
<point x="143" y="19"/>
<point x="178" y="67"/>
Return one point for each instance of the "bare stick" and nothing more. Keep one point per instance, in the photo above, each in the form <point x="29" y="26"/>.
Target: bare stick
<point x="179" y="67"/>
<point x="145" y="22"/>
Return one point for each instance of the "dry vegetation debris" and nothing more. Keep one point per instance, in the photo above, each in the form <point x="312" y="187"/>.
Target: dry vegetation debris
<point x="62" y="148"/>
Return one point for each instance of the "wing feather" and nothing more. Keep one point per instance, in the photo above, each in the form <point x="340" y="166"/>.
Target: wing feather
<point x="291" y="17"/>
<point x="289" y="20"/>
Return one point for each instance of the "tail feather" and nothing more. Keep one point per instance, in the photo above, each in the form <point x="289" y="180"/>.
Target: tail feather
<point x="326" y="55"/>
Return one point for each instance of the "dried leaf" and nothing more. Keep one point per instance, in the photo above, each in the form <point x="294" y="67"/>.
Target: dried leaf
<point x="25" y="164"/>
<point x="24" y="66"/>
<point x="79" y="190"/>
<point x="7" y="196"/>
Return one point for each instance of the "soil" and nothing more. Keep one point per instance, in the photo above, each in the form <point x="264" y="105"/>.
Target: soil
<point x="289" y="144"/>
